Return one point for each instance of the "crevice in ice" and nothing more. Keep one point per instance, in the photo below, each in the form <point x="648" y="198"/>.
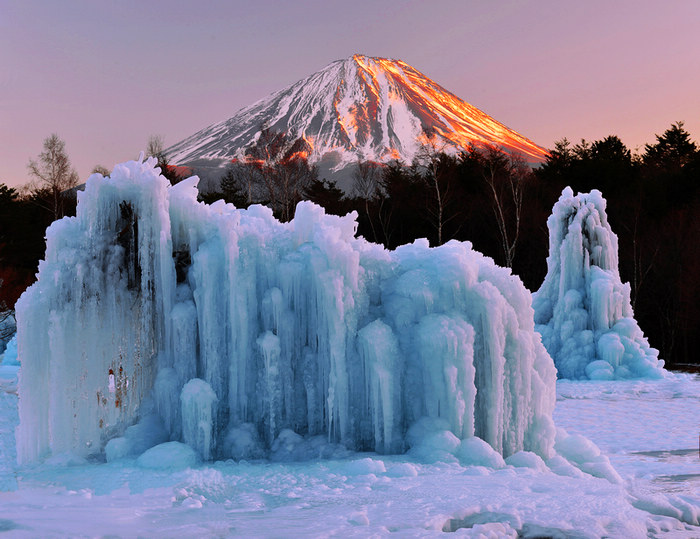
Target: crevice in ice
<point x="127" y="238"/>
<point x="183" y="261"/>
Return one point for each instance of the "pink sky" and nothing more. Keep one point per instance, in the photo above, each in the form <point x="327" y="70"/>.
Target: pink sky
<point x="105" y="76"/>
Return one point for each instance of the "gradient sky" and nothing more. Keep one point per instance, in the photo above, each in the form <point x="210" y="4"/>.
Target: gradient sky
<point x="106" y="75"/>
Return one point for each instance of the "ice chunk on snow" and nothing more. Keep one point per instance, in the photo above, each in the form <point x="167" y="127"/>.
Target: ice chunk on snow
<point x="147" y="433"/>
<point x="474" y="451"/>
<point x="585" y="455"/>
<point x="682" y="508"/>
<point x="583" y="309"/>
<point x="225" y="318"/>
<point x="168" y="456"/>
<point x="527" y="459"/>
<point x="362" y="466"/>
<point x="117" y="448"/>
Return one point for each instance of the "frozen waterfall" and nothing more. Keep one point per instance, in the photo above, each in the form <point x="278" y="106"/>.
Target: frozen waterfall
<point x="221" y="323"/>
<point x="583" y="309"/>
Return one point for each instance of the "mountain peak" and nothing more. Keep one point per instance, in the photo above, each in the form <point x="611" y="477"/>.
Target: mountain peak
<point x="363" y="107"/>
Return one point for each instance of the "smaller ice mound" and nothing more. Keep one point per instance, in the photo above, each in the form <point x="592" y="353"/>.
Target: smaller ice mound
<point x="583" y="310"/>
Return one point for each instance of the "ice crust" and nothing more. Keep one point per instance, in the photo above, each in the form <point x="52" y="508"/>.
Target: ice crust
<point x="246" y="335"/>
<point x="583" y="309"/>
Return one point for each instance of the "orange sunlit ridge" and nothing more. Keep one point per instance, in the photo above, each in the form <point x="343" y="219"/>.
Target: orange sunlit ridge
<point x="454" y="119"/>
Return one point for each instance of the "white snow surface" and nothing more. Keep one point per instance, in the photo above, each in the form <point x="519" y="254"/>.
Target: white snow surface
<point x="648" y="428"/>
<point x="156" y="318"/>
<point x="583" y="309"/>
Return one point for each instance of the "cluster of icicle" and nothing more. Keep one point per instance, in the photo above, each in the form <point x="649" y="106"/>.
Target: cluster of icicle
<point x="583" y="309"/>
<point x="226" y="321"/>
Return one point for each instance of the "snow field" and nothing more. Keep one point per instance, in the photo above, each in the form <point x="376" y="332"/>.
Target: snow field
<point x="365" y="494"/>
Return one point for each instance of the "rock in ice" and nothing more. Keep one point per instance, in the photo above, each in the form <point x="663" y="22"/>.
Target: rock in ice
<point x="238" y="330"/>
<point x="583" y="309"/>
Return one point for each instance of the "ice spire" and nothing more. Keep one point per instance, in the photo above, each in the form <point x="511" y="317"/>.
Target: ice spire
<point x="583" y="309"/>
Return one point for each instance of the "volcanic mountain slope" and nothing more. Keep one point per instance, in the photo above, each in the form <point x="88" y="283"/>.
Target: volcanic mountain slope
<point x="360" y="108"/>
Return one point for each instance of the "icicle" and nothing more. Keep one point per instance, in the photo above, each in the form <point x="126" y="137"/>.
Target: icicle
<point x="199" y="429"/>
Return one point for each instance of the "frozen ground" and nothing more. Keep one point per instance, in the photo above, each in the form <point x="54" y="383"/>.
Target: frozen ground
<point x="648" y="428"/>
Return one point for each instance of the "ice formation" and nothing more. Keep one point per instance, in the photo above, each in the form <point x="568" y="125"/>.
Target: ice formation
<point x="583" y="309"/>
<point x="8" y="328"/>
<point x="239" y="333"/>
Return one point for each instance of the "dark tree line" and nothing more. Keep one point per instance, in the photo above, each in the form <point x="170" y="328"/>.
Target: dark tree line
<point x="482" y="195"/>
<point x="22" y="225"/>
<point x="24" y="217"/>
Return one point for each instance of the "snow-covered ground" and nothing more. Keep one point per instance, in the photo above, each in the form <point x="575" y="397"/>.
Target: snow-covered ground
<point x="649" y="430"/>
<point x="157" y="320"/>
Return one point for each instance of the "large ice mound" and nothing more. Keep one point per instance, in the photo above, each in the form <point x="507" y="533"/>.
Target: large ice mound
<point x="228" y="323"/>
<point x="583" y="309"/>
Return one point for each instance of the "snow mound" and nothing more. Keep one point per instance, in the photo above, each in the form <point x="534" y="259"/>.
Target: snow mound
<point x="168" y="456"/>
<point x="583" y="310"/>
<point x="245" y="334"/>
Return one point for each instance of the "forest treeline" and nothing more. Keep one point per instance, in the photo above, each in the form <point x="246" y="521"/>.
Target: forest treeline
<point x="494" y="200"/>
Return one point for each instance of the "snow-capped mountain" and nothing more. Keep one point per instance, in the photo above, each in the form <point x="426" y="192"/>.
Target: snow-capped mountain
<point x="360" y="108"/>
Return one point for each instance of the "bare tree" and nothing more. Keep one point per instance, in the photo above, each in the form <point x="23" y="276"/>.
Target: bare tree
<point x="645" y="249"/>
<point x="431" y="159"/>
<point x="241" y="184"/>
<point x="294" y="176"/>
<point x="283" y="169"/>
<point x="53" y="175"/>
<point x="366" y="185"/>
<point x="506" y="177"/>
<point x="155" y="148"/>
